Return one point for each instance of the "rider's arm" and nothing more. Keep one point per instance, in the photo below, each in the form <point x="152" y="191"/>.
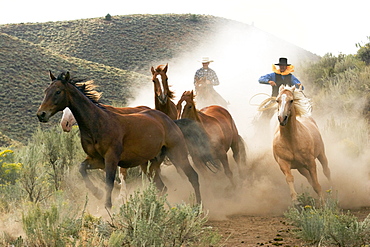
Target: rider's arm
<point x="296" y="82"/>
<point x="266" y="78"/>
<point x="215" y="80"/>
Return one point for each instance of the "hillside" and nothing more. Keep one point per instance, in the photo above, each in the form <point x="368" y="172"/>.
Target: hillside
<point x="118" y="54"/>
<point x="24" y="76"/>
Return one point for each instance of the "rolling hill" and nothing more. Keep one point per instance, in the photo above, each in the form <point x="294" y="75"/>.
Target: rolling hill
<point x="117" y="55"/>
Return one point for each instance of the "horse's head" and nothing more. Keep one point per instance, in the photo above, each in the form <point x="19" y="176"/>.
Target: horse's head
<point x="160" y="80"/>
<point x="55" y="98"/>
<point x="68" y="120"/>
<point x="285" y="101"/>
<point x="186" y="106"/>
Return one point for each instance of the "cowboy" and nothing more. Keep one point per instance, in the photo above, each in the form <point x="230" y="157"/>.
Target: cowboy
<point x="281" y="76"/>
<point x="206" y="75"/>
<point x="204" y="80"/>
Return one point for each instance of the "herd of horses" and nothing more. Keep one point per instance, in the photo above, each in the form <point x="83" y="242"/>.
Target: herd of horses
<point x="128" y="137"/>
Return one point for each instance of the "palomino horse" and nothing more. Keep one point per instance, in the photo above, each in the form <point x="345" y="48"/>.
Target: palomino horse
<point x="112" y="139"/>
<point x="220" y="128"/>
<point x="297" y="141"/>
<point x="162" y="94"/>
<point x="206" y="95"/>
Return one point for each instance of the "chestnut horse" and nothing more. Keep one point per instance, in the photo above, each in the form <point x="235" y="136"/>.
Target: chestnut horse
<point x="113" y="140"/>
<point x="297" y="141"/>
<point x="221" y="130"/>
<point x="163" y="96"/>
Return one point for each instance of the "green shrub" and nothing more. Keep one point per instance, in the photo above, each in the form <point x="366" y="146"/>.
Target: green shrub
<point x="9" y="170"/>
<point x="329" y="225"/>
<point x="148" y="220"/>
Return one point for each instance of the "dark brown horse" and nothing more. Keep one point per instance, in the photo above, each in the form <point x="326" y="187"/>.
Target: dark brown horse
<point x="221" y="130"/>
<point x="163" y="96"/>
<point x="110" y="139"/>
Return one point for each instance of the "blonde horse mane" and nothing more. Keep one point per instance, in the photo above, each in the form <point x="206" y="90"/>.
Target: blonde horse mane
<point x="302" y="104"/>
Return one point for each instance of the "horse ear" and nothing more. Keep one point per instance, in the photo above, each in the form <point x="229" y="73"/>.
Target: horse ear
<point x="165" y="68"/>
<point x="52" y="77"/>
<point x="281" y="88"/>
<point x="152" y="69"/>
<point x="67" y="77"/>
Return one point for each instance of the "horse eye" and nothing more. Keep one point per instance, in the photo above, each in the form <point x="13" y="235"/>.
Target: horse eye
<point x="58" y="92"/>
<point x="291" y="101"/>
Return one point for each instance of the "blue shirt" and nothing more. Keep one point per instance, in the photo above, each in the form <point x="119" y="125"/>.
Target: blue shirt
<point x="271" y="77"/>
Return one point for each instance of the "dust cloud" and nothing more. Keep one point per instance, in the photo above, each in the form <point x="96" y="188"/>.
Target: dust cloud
<point x="240" y="57"/>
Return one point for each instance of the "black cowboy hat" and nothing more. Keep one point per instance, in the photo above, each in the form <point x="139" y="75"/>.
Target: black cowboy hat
<point x="283" y="61"/>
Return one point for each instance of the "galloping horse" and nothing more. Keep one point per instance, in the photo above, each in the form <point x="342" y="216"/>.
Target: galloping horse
<point x="221" y="130"/>
<point x="297" y="141"/>
<point x="68" y="120"/>
<point x="162" y="94"/>
<point x="110" y="139"/>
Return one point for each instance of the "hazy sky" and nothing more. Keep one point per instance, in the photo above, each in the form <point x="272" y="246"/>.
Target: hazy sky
<point x="317" y="26"/>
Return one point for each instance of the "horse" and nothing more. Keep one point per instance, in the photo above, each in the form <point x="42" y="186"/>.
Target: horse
<point x="113" y="139"/>
<point x="220" y="128"/>
<point x="206" y="95"/>
<point x="195" y="136"/>
<point x="297" y="141"/>
<point x="163" y="96"/>
<point x="68" y="120"/>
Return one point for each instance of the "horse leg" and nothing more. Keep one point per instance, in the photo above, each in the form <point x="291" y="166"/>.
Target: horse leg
<point x="123" y="189"/>
<point x="179" y="158"/>
<point x="111" y="164"/>
<point x="285" y="168"/>
<point x="225" y="163"/>
<point x="154" y="173"/>
<point x="324" y="162"/>
<point x="315" y="182"/>
<point x="89" y="163"/>
<point x="240" y="155"/>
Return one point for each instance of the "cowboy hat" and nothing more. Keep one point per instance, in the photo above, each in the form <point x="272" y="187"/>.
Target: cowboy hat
<point x="283" y="61"/>
<point x="206" y="60"/>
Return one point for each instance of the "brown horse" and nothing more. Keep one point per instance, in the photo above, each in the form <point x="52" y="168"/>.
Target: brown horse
<point x="112" y="139"/>
<point x="220" y="128"/>
<point x="68" y="120"/>
<point x="297" y="141"/>
<point x="163" y="96"/>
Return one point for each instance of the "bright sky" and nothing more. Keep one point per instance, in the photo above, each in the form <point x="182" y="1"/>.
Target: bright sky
<point x="319" y="26"/>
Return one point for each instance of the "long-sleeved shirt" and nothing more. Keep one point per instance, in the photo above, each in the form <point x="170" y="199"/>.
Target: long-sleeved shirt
<point x="208" y="74"/>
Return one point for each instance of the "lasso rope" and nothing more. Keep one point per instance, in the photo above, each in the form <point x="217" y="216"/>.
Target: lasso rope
<point x="263" y="106"/>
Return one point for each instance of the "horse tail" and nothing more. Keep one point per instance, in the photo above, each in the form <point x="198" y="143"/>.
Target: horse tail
<point x="198" y="142"/>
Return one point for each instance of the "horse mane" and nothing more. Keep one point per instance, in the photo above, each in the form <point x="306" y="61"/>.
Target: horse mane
<point x="302" y="104"/>
<point x="160" y="69"/>
<point x="85" y="87"/>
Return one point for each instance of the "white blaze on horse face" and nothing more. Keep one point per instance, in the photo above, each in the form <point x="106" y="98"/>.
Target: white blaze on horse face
<point x="159" y="77"/>
<point x="183" y="104"/>
<point x="281" y="109"/>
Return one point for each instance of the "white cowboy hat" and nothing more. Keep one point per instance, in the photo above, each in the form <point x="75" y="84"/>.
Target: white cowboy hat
<point x="206" y="60"/>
